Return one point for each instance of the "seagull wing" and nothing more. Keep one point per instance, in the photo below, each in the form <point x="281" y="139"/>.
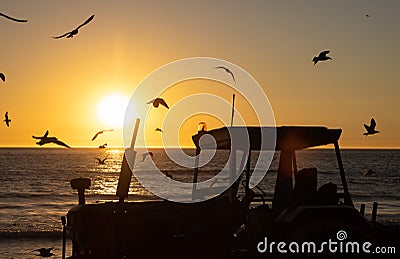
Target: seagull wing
<point x="324" y="53"/>
<point x="46" y="134"/>
<point x="95" y="136"/>
<point x="162" y="102"/>
<point x="366" y="127"/>
<point x="151" y="101"/>
<point x="230" y="72"/>
<point x="373" y="124"/>
<point x="3" y="77"/>
<point x="6" y="116"/>
<point x="11" y="18"/>
<point x="61" y="36"/>
<point x="220" y="67"/>
<point x="59" y="142"/>
<point x="86" y="22"/>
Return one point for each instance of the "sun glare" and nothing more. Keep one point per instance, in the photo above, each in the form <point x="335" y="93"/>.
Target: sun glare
<point x="111" y="110"/>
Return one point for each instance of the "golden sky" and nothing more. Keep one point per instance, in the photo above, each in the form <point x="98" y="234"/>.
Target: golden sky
<point x="57" y="85"/>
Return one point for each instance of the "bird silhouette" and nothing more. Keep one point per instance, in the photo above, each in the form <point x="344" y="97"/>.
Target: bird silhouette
<point x="7" y="120"/>
<point x="158" y="129"/>
<point x="103" y="146"/>
<point x="72" y="33"/>
<point x="100" y="132"/>
<point x="3" y="77"/>
<point x="146" y="154"/>
<point x="321" y="57"/>
<point x="101" y="161"/>
<point x="371" y="128"/>
<point x="367" y="15"/>
<point x="227" y="71"/>
<point x="44" y="252"/>
<point x="156" y="102"/>
<point x="11" y="18"/>
<point x="46" y="140"/>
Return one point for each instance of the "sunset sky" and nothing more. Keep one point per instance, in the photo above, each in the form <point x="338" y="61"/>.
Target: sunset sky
<point x="58" y="85"/>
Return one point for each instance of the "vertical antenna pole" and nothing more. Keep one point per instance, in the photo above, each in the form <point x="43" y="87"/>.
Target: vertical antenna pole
<point x="233" y="109"/>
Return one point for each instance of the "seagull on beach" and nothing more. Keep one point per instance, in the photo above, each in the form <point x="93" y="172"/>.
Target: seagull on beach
<point x="3" y="77"/>
<point x="371" y="128"/>
<point x="44" y="252"/>
<point x="156" y="102"/>
<point x="158" y="129"/>
<point x="100" y="132"/>
<point x="321" y="57"/>
<point x="11" y="18"/>
<point x="7" y="120"/>
<point x="101" y="161"/>
<point x="227" y="71"/>
<point x="72" y="33"/>
<point x="146" y="154"/>
<point x="45" y="140"/>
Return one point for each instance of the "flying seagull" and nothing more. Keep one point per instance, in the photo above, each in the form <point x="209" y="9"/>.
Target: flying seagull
<point x="321" y="57"/>
<point x="100" y="132"/>
<point x="72" y="33"/>
<point x="11" y="18"/>
<point x="158" y="129"/>
<point x="101" y="161"/>
<point x="103" y="146"/>
<point x="45" y="140"/>
<point x="367" y="15"/>
<point x="7" y="120"/>
<point x="3" y="77"/>
<point x="156" y="102"/>
<point x="44" y="252"/>
<point x="146" y="154"/>
<point x="371" y="128"/>
<point x="227" y="71"/>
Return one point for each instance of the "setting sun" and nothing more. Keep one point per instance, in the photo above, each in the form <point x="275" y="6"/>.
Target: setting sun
<point x="111" y="110"/>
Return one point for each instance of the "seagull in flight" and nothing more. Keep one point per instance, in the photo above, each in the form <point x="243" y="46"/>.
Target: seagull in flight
<point x="44" y="252"/>
<point x="11" y="18"/>
<point x="103" y="146"/>
<point x="72" y="33"/>
<point x="156" y="102"/>
<point x="101" y="161"/>
<point x="321" y="57"/>
<point x="7" y="120"/>
<point x="227" y="71"/>
<point x="45" y="140"/>
<point x="371" y="128"/>
<point x="100" y="132"/>
<point x="146" y="154"/>
<point x="158" y="129"/>
<point x="3" y="77"/>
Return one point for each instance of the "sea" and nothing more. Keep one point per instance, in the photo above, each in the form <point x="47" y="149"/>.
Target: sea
<point x="35" y="189"/>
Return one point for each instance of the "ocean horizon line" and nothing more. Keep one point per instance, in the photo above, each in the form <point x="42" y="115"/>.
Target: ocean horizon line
<point x="183" y="147"/>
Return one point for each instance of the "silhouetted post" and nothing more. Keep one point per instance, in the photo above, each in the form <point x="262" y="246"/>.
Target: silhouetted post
<point x="125" y="175"/>
<point x="362" y="209"/>
<point x="64" y="235"/>
<point x="233" y="109"/>
<point x="374" y="211"/>
<point x="80" y="184"/>
<point x="347" y="198"/>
